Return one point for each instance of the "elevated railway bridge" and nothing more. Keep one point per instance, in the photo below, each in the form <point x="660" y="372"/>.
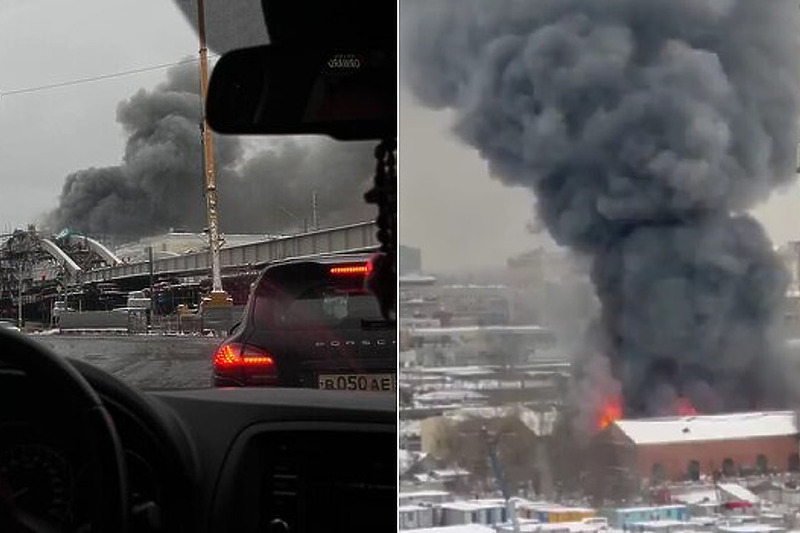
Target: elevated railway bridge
<point x="37" y="270"/>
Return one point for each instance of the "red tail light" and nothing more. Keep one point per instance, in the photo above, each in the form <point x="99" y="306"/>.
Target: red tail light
<point x="234" y="355"/>
<point x="354" y="269"/>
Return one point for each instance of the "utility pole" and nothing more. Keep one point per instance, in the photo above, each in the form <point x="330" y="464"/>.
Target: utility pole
<point x="20" y="317"/>
<point x="314" y="219"/>
<point x="219" y="298"/>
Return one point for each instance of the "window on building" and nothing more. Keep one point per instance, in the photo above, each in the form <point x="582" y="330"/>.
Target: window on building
<point x="762" y="465"/>
<point x="794" y="463"/>
<point x="659" y="473"/>
<point x="728" y="467"/>
<point x="694" y="470"/>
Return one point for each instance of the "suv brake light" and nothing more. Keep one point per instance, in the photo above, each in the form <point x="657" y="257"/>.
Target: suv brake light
<point x="353" y="269"/>
<point x="235" y="355"/>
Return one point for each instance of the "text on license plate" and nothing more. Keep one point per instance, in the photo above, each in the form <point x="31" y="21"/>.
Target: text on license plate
<point x="358" y="382"/>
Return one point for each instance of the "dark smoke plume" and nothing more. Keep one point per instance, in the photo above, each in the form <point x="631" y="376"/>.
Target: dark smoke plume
<point x="159" y="184"/>
<point x="646" y="130"/>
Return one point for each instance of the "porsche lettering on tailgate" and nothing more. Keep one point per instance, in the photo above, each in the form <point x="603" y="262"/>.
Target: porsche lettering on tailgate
<point x="359" y="382"/>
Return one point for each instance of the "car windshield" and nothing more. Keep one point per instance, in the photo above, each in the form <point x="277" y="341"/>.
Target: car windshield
<point x="116" y="204"/>
<point x="599" y="264"/>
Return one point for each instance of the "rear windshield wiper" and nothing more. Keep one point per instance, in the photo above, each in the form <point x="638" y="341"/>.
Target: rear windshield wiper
<point x="378" y="324"/>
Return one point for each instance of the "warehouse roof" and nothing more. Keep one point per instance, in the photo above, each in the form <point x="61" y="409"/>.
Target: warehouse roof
<point x="709" y="427"/>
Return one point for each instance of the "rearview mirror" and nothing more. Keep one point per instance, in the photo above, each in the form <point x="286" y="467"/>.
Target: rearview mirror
<point x="347" y="93"/>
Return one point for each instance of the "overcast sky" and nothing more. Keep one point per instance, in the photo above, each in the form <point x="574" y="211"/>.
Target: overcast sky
<point x="46" y="135"/>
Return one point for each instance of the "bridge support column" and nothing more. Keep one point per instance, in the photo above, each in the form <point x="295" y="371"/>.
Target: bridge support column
<point x="216" y="311"/>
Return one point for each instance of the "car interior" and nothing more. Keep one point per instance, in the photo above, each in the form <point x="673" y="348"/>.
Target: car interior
<point x="82" y="451"/>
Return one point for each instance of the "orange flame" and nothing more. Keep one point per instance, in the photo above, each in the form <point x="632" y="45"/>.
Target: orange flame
<point x="610" y="412"/>
<point x="684" y="407"/>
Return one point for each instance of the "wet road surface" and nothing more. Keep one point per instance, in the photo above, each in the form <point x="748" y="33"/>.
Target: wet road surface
<point x="144" y="361"/>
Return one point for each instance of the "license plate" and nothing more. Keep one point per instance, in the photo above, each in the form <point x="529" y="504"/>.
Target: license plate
<point x="359" y="382"/>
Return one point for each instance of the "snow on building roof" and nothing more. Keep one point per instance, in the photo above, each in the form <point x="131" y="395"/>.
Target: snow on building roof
<point x="656" y="525"/>
<point x="463" y="528"/>
<point x="572" y="527"/>
<point x="697" y="497"/>
<point x="407" y="459"/>
<point x="410" y="428"/>
<point x="539" y="422"/>
<point x="738" y="492"/>
<point x="424" y="494"/>
<point x="416" y="276"/>
<point x="709" y="427"/>
<point x="412" y="508"/>
<point x="472" y="505"/>
<point x="648" y="508"/>
<point x="445" y="395"/>
<point x="464" y="370"/>
<point x="463" y="330"/>
<point x="449" y="472"/>
<point x="555" y="508"/>
<point x="749" y="528"/>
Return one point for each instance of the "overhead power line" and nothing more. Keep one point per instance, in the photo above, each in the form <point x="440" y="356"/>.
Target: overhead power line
<point x="91" y="79"/>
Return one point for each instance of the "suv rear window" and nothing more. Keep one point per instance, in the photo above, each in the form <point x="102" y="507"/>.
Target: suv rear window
<point x="306" y="296"/>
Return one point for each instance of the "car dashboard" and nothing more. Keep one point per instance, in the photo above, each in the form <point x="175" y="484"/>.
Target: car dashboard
<point x="280" y="460"/>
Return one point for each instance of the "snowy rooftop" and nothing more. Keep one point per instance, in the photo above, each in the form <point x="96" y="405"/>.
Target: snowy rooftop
<point x="709" y="427"/>
<point x="555" y="508"/>
<point x="424" y="494"/>
<point x="648" y="508"/>
<point x="412" y="508"/>
<point x="441" y="395"/>
<point x="738" y="492"/>
<point x="696" y="497"/>
<point x="449" y="472"/>
<point x="464" y="528"/>
<point x="416" y="278"/>
<point x="410" y="428"/>
<point x="656" y="525"/>
<point x="749" y="528"/>
<point x="472" y="505"/>
<point x="407" y="459"/>
<point x="462" y="330"/>
<point x="539" y="422"/>
<point x="573" y="527"/>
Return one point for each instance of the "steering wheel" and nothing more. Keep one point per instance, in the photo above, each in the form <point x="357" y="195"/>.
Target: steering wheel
<point x="88" y="415"/>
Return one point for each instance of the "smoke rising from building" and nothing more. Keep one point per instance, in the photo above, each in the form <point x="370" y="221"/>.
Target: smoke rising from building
<point x="646" y="130"/>
<point x="159" y="183"/>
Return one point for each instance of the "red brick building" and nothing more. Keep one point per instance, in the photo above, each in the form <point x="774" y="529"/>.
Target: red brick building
<point x="687" y="448"/>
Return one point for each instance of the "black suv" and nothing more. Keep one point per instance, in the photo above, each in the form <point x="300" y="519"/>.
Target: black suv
<point x="311" y="323"/>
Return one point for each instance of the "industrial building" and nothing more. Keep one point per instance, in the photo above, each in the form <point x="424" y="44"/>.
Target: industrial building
<point x="691" y="448"/>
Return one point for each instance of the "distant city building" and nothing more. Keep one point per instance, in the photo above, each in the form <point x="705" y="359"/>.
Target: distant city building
<point x="410" y="260"/>
<point x="502" y="346"/>
<point x="789" y="253"/>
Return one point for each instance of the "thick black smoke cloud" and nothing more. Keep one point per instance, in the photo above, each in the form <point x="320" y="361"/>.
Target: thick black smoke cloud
<point x="646" y="130"/>
<point x="159" y="184"/>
